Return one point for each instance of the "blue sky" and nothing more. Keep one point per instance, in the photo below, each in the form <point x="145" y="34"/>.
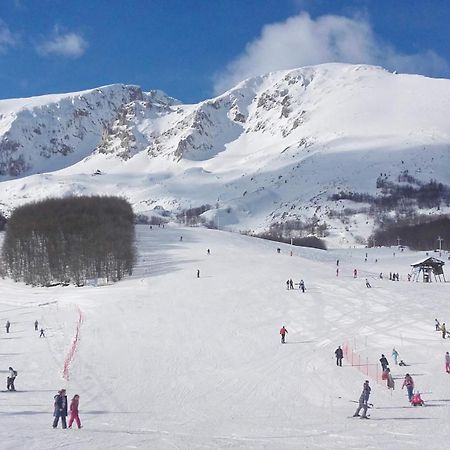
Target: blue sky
<point x="193" y="49"/>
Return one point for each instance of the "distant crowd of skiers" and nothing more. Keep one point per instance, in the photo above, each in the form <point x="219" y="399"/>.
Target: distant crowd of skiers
<point x="12" y="373"/>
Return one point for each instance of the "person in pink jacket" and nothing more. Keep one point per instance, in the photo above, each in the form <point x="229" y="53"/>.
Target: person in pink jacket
<point x="447" y="362"/>
<point x="409" y="383"/>
<point x="283" y="332"/>
<point x="74" y="411"/>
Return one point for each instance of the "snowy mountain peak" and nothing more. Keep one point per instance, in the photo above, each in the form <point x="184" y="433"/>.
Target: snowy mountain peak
<point x="275" y="147"/>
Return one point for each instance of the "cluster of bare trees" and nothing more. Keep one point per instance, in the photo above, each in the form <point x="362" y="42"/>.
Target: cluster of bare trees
<point x="70" y="240"/>
<point x="421" y="235"/>
<point x="394" y="196"/>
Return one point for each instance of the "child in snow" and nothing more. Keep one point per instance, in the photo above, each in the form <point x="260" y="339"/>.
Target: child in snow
<point x="74" y="411"/>
<point x="395" y="355"/>
<point x="416" y="400"/>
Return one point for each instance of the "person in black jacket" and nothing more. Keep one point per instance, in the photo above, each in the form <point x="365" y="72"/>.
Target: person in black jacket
<point x="60" y="408"/>
<point x="339" y="355"/>
<point x="384" y="362"/>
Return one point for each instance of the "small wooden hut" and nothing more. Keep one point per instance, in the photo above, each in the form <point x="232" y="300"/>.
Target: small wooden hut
<point x="426" y="268"/>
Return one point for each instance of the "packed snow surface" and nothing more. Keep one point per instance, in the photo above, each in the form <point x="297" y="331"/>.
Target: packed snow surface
<point x="167" y="360"/>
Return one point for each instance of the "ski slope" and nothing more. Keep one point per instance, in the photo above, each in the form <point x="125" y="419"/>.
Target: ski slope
<point x="167" y="360"/>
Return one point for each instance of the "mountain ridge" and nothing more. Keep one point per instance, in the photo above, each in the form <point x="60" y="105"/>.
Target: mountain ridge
<point x="273" y="148"/>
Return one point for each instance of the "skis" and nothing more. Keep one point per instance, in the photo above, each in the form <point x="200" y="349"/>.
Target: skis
<point x="369" y="405"/>
<point x="360" y="417"/>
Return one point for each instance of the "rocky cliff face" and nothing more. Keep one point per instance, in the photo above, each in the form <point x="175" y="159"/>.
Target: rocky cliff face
<point x="51" y="132"/>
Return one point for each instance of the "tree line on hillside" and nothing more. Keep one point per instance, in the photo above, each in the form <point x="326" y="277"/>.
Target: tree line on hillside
<point x="2" y="222"/>
<point x="70" y="240"/>
<point x="418" y="236"/>
<point x="392" y="195"/>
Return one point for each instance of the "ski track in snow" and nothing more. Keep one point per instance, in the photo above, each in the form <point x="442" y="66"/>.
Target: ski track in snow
<point x="169" y="361"/>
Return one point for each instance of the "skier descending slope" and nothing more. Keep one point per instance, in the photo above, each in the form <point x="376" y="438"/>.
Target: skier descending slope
<point x="363" y="401"/>
<point x="283" y="332"/>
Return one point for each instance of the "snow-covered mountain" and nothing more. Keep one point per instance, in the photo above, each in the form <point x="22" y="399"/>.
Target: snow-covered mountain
<point x="273" y="148"/>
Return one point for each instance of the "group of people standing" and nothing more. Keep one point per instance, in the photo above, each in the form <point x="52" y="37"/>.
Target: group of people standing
<point x="290" y="285"/>
<point x="60" y="410"/>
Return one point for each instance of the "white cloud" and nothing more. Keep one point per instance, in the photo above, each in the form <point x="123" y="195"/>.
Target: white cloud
<point x="71" y="45"/>
<point x="7" y="39"/>
<point x="301" y="41"/>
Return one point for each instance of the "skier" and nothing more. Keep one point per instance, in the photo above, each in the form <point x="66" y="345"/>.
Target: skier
<point x="368" y="284"/>
<point x="181" y="238"/>
<point x="355" y="273"/>
<point x="198" y="273"/>
<point x="36" y="325"/>
<point x="337" y="272"/>
<point x="301" y="285"/>
<point x="409" y="383"/>
<point x="447" y="362"/>
<point x="384" y="362"/>
<point x="41" y="334"/>
<point x="437" y="325"/>
<point x="74" y="411"/>
<point x="395" y="355"/>
<point x="60" y="408"/>
<point x="208" y="252"/>
<point x="363" y="401"/>
<point x="287" y="285"/>
<point x="339" y="355"/>
<point x="7" y="325"/>
<point x="291" y="284"/>
<point x="417" y="399"/>
<point x="337" y="262"/>
<point x="10" y="380"/>
<point x="283" y="333"/>
<point x="444" y="331"/>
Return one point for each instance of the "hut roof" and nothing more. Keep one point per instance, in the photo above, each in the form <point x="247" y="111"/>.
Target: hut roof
<point x="429" y="262"/>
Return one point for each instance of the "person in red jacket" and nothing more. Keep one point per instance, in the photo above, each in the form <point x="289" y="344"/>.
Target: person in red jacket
<point x="74" y="411"/>
<point x="283" y="332"/>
